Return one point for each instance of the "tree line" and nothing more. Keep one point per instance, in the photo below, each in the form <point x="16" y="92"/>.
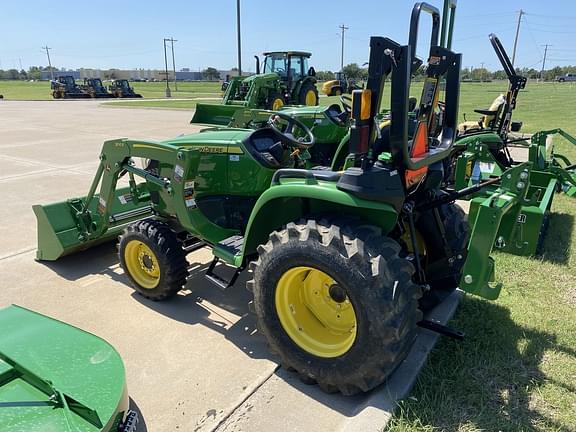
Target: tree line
<point x="354" y="71"/>
<point x="33" y="73"/>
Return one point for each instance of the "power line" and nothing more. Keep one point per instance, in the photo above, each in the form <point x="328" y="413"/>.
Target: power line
<point x="343" y="28"/>
<point x="47" y="48"/>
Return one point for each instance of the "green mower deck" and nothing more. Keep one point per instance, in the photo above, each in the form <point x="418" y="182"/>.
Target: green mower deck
<point x="55" y="377"/>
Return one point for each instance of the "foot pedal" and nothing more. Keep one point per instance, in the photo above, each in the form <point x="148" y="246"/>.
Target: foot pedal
<point x="441" y="329"/>
<point x="219" y="281"/>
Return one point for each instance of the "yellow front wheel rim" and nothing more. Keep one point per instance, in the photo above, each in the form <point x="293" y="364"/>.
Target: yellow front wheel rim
<point x="310" y="98"/>
<point x="142" y="264"/>
<point x="315" y="312"/>
<point x="277" y="104"/>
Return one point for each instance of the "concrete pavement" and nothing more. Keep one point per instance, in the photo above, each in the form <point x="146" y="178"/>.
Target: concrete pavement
<point x="194" y="363"/>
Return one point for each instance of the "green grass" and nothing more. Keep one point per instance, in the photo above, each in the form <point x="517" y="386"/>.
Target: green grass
<point x="516" y="370"/>
<point x="40" y="90"/>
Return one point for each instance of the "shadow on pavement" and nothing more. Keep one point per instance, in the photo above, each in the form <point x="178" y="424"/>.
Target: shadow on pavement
<point x="203" y="303"/>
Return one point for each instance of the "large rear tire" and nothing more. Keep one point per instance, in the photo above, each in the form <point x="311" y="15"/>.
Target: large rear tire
<point x="443" y="269"/>
<point x="153" y="259"/>
<point x="336" y="303"/>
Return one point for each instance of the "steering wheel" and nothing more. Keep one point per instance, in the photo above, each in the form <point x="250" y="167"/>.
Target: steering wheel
<point x="286" y="134"/>
<point x="346" y="102"/>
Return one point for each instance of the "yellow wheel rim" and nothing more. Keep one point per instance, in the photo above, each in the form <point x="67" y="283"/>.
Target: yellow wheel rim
<point x="142" y="264"/>
<point x="315" y="312"/>
<point x="310" y="97"/>
<point x="338" y="92"/>
<point x="277" y="104"/>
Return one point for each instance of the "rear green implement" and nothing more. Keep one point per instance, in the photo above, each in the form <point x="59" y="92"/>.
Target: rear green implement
<point x="483" y="151"/>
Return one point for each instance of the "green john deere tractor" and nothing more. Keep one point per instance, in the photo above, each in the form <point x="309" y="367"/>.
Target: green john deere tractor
<point x="285" y="79"/>
<point x="482" y="151"/>
<point x="344" y="257"/>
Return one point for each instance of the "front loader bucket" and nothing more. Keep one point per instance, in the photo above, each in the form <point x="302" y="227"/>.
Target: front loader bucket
<point x="214" y="114"/>
<point x="60" y="231"/>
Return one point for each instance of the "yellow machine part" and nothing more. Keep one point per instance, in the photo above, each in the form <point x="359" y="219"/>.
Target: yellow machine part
<point x="310" y="315"/>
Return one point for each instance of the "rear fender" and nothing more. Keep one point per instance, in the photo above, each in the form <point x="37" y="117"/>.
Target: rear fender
<point x="296" y="198"/>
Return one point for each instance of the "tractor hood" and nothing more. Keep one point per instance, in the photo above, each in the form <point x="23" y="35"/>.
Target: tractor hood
<point x="216" y="136"/>
<point x="55" y="377"/>
<point x="266" y="76"/>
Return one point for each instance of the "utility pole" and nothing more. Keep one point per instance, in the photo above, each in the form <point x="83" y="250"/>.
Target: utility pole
<point x="238" y="36"/>
<point x="47" y="48"/>
<point x="168" y="94"/>
<point x="172" y="40"/>
<point x="482" y="72"/>
<point x="544" y="60"/>
<point x="517" y="32"/>
<point x="343" y="28"/>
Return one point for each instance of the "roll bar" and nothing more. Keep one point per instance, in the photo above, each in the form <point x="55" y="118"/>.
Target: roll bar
<point x="448" y="23"/>
<point x="415" y="25"/>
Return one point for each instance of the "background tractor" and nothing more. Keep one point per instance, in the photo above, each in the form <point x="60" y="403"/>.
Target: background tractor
<point x="343" y="258"/>
<point x="339" y="85"/>
<point x="285" y="79"/>
<point x="64" y="87"/>
<point x="121" y="88"/>
<point x="94" y="87"/>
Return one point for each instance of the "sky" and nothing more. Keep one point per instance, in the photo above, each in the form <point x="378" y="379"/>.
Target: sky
<point x="128" y="34"/>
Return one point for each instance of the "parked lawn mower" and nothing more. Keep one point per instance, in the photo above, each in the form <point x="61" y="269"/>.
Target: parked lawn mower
<point x="286" y="79"/>
<point x="342" y="262"/>
<point x="95" y="88"/>
<point x="55" y="377"/>
<point x="65" y="87"/>
<point x="121" y="88"/>
<point x="482" y="151"/>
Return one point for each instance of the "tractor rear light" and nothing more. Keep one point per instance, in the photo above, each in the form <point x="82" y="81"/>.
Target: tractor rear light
<point x="364" y="141"/>
<point x="361" y="104"/>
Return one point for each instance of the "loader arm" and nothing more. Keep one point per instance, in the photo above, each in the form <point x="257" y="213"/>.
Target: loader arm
<point x="81" y="223"/>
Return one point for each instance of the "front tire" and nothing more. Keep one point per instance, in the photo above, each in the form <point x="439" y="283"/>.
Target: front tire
<point x="153" y="259"/>
<point x="336" y="302"/>
<point x="308" y="94"/>
<point x="275" y="101"/>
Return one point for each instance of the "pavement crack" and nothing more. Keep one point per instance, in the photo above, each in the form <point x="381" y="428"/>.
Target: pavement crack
<point x="14" y="254"/>
<point x="251" y="390"/>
